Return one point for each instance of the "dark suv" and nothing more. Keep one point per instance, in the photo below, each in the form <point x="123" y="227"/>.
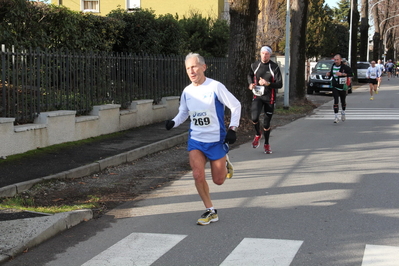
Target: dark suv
<point x="318" y="81"/>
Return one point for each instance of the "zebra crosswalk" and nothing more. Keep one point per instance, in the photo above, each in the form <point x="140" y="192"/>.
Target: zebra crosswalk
<point x="375" y="255"/>
<point x="144" y="249"/>
<point x="136" y="249"/>
<point x="258" y="251"/>
<point x="359" y="114"/>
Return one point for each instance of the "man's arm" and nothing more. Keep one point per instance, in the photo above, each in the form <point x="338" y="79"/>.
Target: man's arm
<point x="348" y="71"/>
<point x="229" y="100"/>
<point x="250" y="76"/>
<point x="181" y="116"/>
<point x="278" y="79"/>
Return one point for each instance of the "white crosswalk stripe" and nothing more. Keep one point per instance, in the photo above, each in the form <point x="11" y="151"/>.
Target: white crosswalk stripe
<point x="144" y="249"/>
<point x="136" y="249"/>
<point x="267" y="252"/>
<point x="359" y="114"/>
<point x="375" y="255"/>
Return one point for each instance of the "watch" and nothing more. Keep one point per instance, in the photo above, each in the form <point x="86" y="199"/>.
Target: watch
<point x="233" y="128"/>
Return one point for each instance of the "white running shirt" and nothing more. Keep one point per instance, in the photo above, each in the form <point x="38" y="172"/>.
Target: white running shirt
<point x="205" y="106"/>
<point x="373" y="72"/>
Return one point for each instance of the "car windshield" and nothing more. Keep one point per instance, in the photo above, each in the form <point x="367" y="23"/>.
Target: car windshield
<point x="323" y="65"/>
<point x="362" y="65"/>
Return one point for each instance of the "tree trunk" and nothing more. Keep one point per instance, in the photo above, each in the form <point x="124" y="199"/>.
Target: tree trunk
<point x="299" y="11"/>
<point x="242" y="46"/>
<point x="355" y="24"/>
<point x="364" y="30"/>
<point x="376" y="38"/>
<point x="376" y="46"/>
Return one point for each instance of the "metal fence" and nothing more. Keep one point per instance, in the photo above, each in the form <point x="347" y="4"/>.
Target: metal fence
<point x="34" y="81"/>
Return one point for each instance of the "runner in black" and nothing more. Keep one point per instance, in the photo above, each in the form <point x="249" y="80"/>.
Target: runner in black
<point x="264" y="79"/>
<point x="339" y="72"/>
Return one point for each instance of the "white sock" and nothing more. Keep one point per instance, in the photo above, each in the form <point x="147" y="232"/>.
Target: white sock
<point x="212" y="209"/>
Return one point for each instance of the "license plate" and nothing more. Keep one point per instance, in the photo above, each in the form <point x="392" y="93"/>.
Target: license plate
<point x="325" y="86"/>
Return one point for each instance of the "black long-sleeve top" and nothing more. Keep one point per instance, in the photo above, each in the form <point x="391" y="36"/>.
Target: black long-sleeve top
<point x="264" y="70"/>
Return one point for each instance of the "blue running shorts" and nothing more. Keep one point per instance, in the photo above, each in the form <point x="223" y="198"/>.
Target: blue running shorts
<point x="213" y="151"/>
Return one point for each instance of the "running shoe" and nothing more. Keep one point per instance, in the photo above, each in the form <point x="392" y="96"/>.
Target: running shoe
<point x="343" y="117"/>
<point x="229" y="166"/>
<point x="371" y="98"/>
<point x="255" y="143"/>
<point x="336" y="120"/>
<point x="267" y="149"/>
<point x="376" y="92"/>
<point x="208" y="217"/>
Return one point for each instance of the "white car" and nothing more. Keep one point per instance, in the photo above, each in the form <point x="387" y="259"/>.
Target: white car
<point x="361" y="71"/>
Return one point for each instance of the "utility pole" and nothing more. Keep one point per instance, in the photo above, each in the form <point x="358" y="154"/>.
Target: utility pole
<point x="350" y="34"/>
<point x="287" y="57"/>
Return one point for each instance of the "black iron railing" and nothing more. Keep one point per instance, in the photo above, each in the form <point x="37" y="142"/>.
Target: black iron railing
<point x="34" y="81"/>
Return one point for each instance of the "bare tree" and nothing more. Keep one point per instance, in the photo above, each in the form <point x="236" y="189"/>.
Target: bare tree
<point x="384" y="18"/>
<point x="271" y="23"/>
<point x="242" y="46"/>
<point x="297" y="47"/>
<point x="389" y="27"/>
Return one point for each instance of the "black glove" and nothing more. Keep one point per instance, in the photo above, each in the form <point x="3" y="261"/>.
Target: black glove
<point x="231" y="137"/>
<point x="169" y="124"/>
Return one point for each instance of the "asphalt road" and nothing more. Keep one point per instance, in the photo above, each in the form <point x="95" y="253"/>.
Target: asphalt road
<point x="326" y="196"/>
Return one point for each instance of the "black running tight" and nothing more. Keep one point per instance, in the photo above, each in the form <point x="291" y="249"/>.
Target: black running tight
<point x="256" y="108"/>
<point x="339" y="94"/>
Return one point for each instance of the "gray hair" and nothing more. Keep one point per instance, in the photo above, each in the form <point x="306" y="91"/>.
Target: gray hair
<point x="200" y="59"/>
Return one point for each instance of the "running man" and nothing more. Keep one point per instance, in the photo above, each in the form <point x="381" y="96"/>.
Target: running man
<point x="339" y="72"/>
<point x="264" y="79"/>
<point x="204" y="101"/>
<point x="373" y="74"/>
<point x="390" y="68"/>
<point x="382" y="69"/>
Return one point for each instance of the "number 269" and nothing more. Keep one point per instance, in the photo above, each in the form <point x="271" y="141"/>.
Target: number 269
<point x="201" y="121"/>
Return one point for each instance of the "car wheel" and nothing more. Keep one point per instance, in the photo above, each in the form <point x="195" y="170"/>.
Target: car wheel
<point x="309" y="90"/>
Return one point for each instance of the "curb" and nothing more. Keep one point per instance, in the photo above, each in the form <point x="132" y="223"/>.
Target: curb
<point x="26" y="233"/>
<point x="98" y="166"/>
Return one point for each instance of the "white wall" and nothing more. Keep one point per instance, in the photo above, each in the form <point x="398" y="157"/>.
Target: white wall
<point x="57" y="127"/>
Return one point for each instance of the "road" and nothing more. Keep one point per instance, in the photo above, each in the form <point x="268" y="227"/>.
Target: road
<point x="328" y="195"/>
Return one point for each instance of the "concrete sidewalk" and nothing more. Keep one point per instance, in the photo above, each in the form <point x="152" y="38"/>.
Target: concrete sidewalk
<point x="19" y="235"/>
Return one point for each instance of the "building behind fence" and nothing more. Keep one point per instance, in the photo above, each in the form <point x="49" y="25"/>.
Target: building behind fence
<point x="35" y="81"/>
